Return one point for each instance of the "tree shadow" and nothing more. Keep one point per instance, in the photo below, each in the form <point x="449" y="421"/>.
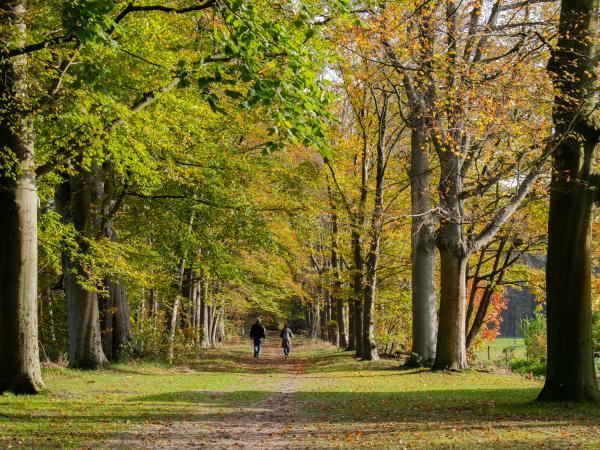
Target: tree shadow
<point x="485" y="405"/>
<point x="245" y="415"/>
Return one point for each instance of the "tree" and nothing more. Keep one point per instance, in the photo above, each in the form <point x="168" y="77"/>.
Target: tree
<point x="573" y="194"/>
<point x="19" y="354"/>
<point x="242" y="53"/>
<point x="461" y="82"/>
<point x="384" y="148"/>
<point x="336" y="264"/>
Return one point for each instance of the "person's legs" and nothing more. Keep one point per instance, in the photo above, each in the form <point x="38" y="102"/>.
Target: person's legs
<point x="286" y="351"/>
<point x="257" y="347"/>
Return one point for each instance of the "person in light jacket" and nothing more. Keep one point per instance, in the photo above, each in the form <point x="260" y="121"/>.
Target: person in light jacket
<point x="286" y="340"/>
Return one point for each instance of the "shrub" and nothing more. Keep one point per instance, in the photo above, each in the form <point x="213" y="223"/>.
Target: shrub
<point x="533" y="331"/>
<point x="525" y="366"/>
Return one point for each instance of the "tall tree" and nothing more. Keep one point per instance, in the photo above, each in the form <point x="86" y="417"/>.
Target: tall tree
<point x="336" y="264"/>
<point x="574" y="187"/>
<point x="381" y="106"/>
<point x="19" y="353"/>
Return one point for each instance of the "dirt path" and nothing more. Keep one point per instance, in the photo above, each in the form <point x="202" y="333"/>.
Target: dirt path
<point x="268" y="424"/>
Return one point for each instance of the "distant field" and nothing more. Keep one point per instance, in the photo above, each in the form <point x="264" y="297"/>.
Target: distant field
<point x="493" y="352"/>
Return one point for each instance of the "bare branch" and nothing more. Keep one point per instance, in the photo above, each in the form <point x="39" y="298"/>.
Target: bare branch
<point x="504" y="213"/>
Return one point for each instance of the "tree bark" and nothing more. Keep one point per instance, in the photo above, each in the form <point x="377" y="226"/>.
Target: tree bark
<point x="369" y="343"/>
<point x="19" y="350"/>
<point x="351" y="319"/>
<point x="214" y="326"/>
<point x="173" y="328"/>
<point x="204" y="321"/>
<point x="221" y="331"/>
<point x="337" y="282"/>
<point x="329" y="317"/>
<point x="424" y="314"/>
<point x="370" y="291"/>
<point x="154" y="307"/>
<point x="454" y="255"/>
<point x="116" y="325"/>
<point x="74" y="201"/>
<point x="573" y="192"/>
<point x="358" y="288"/>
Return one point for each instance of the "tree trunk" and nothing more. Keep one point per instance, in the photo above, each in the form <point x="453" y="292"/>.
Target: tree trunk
<point x="370" y="291"/>
<point x="450" y="350"/>
<point x="173" y="328"/>
<point x="342" y="340"/>
<point x="358" y="288"/>
<point x="116" y="327"/>
<point x="573" y="192"/>
<point x="351" y="319"/>
<point x="115" y="324"/>
<point x="331" y="332"/>
<point x="221" y="332"/>
<point x="341" y="323"/>
<point x="454" y="255"/>
<point x="85" y="343"/>
<point x="315" y="332"/>
<point x="214" y="326"/>
<point x="204" y="323"/>
<point x="369" y="343"/>
<point x="424" y="314"/>
<point x="154" y="307"/>
<point x="19" y="351"/>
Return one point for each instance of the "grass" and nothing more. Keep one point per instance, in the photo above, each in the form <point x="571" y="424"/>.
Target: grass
<point x="337" y="402"/>
<point x="80" y="408"/>
<point x="379" y="407"/>
<point x="493" y="353"/>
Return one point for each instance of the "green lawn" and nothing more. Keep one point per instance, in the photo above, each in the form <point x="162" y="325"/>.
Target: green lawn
<point x="386" y="408"/>
<point x="335" y="402"/>
<point x="493" y="353"/>
<point x="81" y="408"/>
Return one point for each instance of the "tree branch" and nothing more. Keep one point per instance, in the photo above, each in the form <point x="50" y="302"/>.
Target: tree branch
<point x="130" y="8"/>
<point x="508" y="210"/>
<point x="337" y="185"/>
<point x="211" y="204"/>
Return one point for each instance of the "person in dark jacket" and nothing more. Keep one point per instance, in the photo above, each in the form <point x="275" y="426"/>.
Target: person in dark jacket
<point x="286" y="340"/>
<point x="257" y="333"/>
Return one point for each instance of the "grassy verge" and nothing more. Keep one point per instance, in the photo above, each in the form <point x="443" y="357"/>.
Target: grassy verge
<point x="84" y="408"/>
<point x="375" y="407"/>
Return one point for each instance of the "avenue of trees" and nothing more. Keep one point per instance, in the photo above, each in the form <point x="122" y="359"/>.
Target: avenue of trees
<point x="375" y="172"/>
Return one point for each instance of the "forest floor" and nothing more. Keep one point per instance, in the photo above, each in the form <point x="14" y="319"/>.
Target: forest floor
<point x="320" y="398"/>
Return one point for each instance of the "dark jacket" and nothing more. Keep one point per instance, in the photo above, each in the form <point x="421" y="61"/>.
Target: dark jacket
<point x="286" y="336"/>
<point x="257" y="332"/>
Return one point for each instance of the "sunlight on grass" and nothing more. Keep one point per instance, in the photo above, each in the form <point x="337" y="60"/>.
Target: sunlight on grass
<point x="366" y="408"/>
<point x="339" y="402"/>
<point x="81" y="408"/>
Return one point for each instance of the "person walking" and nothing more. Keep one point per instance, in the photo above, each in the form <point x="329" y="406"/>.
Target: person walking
<point x="286" y="340"/>
<point x="257" y="334"/>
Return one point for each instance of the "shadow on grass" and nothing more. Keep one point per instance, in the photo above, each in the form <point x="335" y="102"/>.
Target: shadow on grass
<point x="427" y="414"/>
<point x="484" y="405"/>
<point x="479" y="405"/>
